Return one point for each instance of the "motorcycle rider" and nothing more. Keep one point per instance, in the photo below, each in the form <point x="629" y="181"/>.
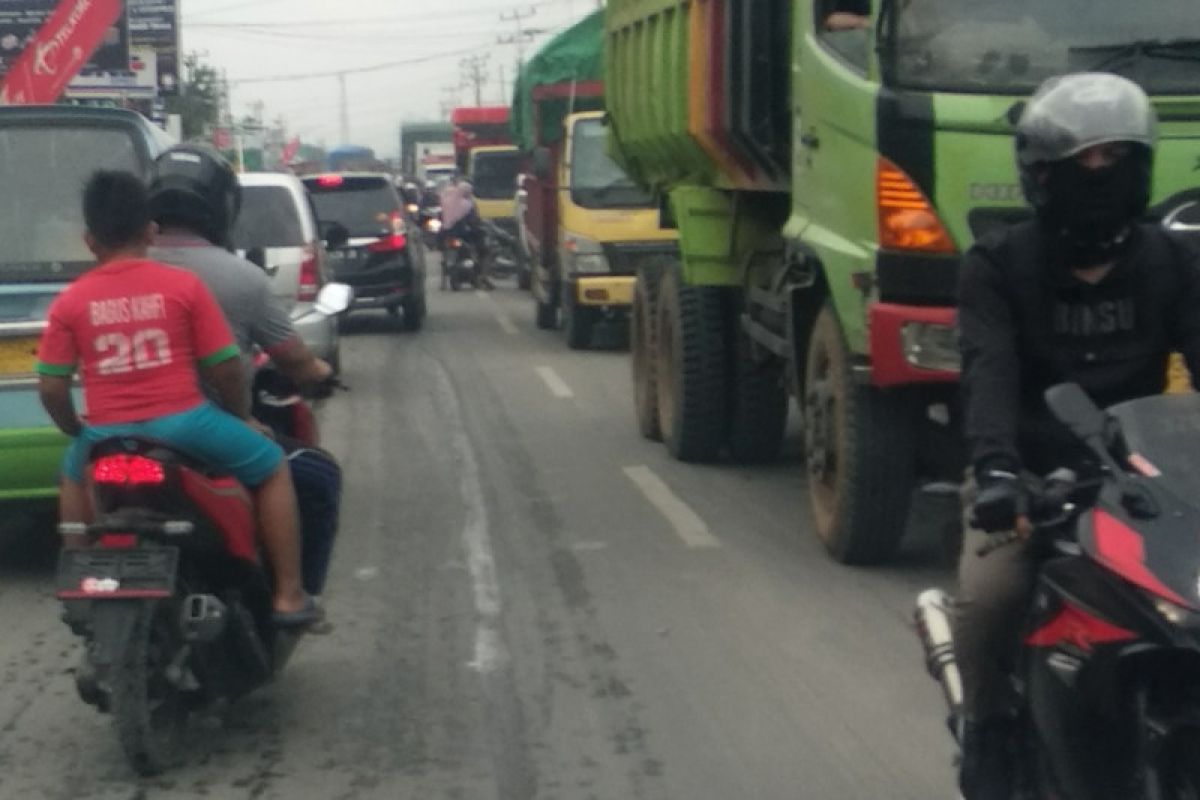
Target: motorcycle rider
<point x="1084" y="292"/>
<point x="460" y="218"/>
<point x="138" y="331"/>
<point x="195" y="198"/>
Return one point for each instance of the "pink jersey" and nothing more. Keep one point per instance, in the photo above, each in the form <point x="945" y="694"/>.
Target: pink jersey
<point x="136" y="331"/>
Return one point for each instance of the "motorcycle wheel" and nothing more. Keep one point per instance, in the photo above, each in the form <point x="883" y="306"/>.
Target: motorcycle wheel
<point x="149" y="710"/>
<point x="1179" y="770"/>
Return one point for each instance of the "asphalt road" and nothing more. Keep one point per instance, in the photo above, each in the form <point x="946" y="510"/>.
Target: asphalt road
<point x="530" y="602"/>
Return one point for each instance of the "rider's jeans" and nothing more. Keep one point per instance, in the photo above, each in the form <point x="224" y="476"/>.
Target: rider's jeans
<point x="993" y="593"/>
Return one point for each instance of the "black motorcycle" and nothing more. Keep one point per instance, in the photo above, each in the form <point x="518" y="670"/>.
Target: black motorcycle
<point x="461" y="262"/>
<point x="1109" y="666"/>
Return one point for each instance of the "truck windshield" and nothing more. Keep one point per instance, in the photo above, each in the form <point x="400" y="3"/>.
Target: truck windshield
<point x="494" y="175"/>
<point x="43" y="169"/>
<point x="1011" y="46"/>
<point x="596" y="180"/>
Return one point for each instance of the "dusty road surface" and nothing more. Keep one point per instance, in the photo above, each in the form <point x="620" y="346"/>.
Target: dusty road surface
<point x="530" y="602"/>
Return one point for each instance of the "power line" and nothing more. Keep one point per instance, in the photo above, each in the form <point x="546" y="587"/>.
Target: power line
<point x="356" y="71"/>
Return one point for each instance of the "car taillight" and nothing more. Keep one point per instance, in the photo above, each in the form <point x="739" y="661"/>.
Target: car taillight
<point x="329" y="181"/>
<point x="118" y="541"/>
<point x="120" y="470"/>
<point x="453" y="242"/>
<point x="387" y="244"/>
<point x="310" y="278"/>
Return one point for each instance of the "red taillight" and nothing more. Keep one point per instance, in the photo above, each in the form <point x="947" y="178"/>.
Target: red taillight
<point x="310" y="278"/>
<point x="397" y="220"/>
<point x="118" y="541"/>
<point x="132" y="470"/>
<point x="387" y="244"/>
<point x="329" y="181"/>
<point x="453" y="242"/>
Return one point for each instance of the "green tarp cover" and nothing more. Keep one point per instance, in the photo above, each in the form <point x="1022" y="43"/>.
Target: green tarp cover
<point x="576" y="54"/>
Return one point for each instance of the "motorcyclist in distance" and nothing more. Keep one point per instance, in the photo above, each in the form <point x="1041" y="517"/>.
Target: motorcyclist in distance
<point x="1084" y="292"/>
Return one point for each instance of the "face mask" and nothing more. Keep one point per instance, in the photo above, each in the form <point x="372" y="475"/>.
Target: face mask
<point x="1090" y="210"/>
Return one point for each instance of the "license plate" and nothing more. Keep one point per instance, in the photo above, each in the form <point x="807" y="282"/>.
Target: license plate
<point x="117" y="574"/>
<point x="17" y="355"/>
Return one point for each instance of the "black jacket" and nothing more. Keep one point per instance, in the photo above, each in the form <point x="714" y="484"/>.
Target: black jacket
<point x="1026" y="323"/>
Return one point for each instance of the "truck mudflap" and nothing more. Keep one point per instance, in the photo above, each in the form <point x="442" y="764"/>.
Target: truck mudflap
<point x="604" y="290"/>
<point x="912" y="344"/>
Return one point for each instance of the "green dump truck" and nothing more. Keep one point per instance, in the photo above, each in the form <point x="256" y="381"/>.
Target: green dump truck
<point x="826" y="174"/>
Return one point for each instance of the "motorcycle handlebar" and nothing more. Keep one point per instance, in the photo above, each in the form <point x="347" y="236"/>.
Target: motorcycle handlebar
<point x="1049" y="505"/>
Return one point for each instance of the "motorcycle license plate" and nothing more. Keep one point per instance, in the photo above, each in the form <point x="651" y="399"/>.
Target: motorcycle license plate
<point x="140" y="573"/>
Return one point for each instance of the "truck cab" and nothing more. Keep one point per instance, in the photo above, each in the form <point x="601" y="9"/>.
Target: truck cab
<point x="493" y="172"/>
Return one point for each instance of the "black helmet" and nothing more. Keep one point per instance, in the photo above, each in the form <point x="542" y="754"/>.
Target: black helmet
<point x="193" y="187"/>
<point x="1091" y="209"/>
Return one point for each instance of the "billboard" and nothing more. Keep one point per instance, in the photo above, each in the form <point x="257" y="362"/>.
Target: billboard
<point x="139" y="81"/>
<point x="155" y="24"/>
<point x="21" y="19"/>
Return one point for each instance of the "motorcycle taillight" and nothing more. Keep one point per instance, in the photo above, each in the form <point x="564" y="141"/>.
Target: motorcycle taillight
<point x="453" y="242"/>
<point x="127" y="470"/>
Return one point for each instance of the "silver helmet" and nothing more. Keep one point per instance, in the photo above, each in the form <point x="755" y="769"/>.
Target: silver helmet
<point x="1070" y="113"/>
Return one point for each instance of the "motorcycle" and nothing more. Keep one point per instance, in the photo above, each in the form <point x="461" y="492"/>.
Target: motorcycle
<point x="504" y="251"/>
<point x="1107" y="674"/>
<point x="461" y="264"/>
<point x="169" y="592"/>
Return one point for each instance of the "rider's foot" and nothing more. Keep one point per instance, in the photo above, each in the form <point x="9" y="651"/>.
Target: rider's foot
<point x="987" y="766"/>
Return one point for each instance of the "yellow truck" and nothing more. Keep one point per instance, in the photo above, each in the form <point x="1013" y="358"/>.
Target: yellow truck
<point x="586" y="225"/>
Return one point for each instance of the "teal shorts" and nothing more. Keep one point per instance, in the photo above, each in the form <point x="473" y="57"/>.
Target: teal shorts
<point x="205" y="433"/>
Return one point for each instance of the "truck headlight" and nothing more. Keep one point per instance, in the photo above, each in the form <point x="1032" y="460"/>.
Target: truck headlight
<point x="933" y="347"/>
<point x="583" y="255"/>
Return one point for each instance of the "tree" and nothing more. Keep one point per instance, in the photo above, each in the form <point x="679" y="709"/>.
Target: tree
<point x="199" y="98"/>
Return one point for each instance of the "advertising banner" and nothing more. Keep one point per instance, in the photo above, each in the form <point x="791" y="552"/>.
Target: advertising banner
<point x="138" y="82"/>
<point x="43" y="45"/>
<point x="155" y="24"/>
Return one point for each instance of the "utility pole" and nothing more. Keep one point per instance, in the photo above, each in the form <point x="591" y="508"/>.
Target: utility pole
<point x="522" y="37"/>
<point x="475" y="75"/>
<point x="449" y="99"/>
<point x="344" y="108"/>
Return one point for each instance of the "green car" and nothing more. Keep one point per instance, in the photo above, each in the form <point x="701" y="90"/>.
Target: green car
<point x="46" y="155"/>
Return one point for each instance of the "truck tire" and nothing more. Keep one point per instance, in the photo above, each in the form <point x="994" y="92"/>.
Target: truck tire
<point x="759" y="403"/>
<point x="576" y="321"/>
<point x="644" y="352"/>
<point x="860" y="445"/>
<point x="546" y="316"/>
<point x="691" y="368"/>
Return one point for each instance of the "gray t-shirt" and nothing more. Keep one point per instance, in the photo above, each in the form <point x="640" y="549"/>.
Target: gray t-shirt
<point x="243" y="291"/>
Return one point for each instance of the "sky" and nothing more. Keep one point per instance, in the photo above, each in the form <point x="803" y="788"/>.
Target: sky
<point x="304" y="40"/>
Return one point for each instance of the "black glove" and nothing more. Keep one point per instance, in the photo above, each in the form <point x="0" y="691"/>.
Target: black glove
<point x="1000" y="501"/>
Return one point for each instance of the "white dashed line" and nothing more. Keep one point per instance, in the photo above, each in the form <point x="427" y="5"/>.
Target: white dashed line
<point x="686" y="522"/>
<point x="506" y="323"/>
<point x="557" y="386"/>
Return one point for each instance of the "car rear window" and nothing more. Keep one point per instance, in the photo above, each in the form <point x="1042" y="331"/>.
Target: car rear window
<point x="43" y="169"/>
<point x="363" y="205"/>
<point x="269" y="218"/>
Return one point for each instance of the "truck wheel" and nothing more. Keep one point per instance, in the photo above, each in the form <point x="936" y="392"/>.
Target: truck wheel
<point x="691" y="368"/>
<point x="642" y="324"/>
<point x="759" y="401"/>
<point x="859" y="446"/>
<point x="577" y="321"/>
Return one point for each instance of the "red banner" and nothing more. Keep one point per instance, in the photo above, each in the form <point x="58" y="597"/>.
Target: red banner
<point x="289" y="151"/>
<point x="58" y="50"/>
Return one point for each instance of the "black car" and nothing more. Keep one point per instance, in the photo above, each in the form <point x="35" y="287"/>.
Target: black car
<point x="370" y="242"/>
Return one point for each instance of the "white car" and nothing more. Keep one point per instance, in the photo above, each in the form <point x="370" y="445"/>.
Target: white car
<point x="278" y="230"/>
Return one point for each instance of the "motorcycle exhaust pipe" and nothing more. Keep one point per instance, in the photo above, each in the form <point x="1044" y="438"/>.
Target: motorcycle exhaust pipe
<point x="933" y="620"/>
<point x="204" y="618"/>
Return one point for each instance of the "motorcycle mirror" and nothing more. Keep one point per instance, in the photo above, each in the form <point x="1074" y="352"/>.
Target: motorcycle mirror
<point x="1073" y="408"/>
<point x="257" y="255"/>
<point x="334" y="298"/>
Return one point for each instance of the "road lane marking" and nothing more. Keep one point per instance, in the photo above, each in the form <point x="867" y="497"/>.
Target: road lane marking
<point x="557" y="386"/>
<point x="490" y="650"/>
<point x="687" y="523"/>
<point x="506" y="323"/>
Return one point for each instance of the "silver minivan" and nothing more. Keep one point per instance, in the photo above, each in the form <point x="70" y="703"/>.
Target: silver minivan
<point x="278" y="229"/>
